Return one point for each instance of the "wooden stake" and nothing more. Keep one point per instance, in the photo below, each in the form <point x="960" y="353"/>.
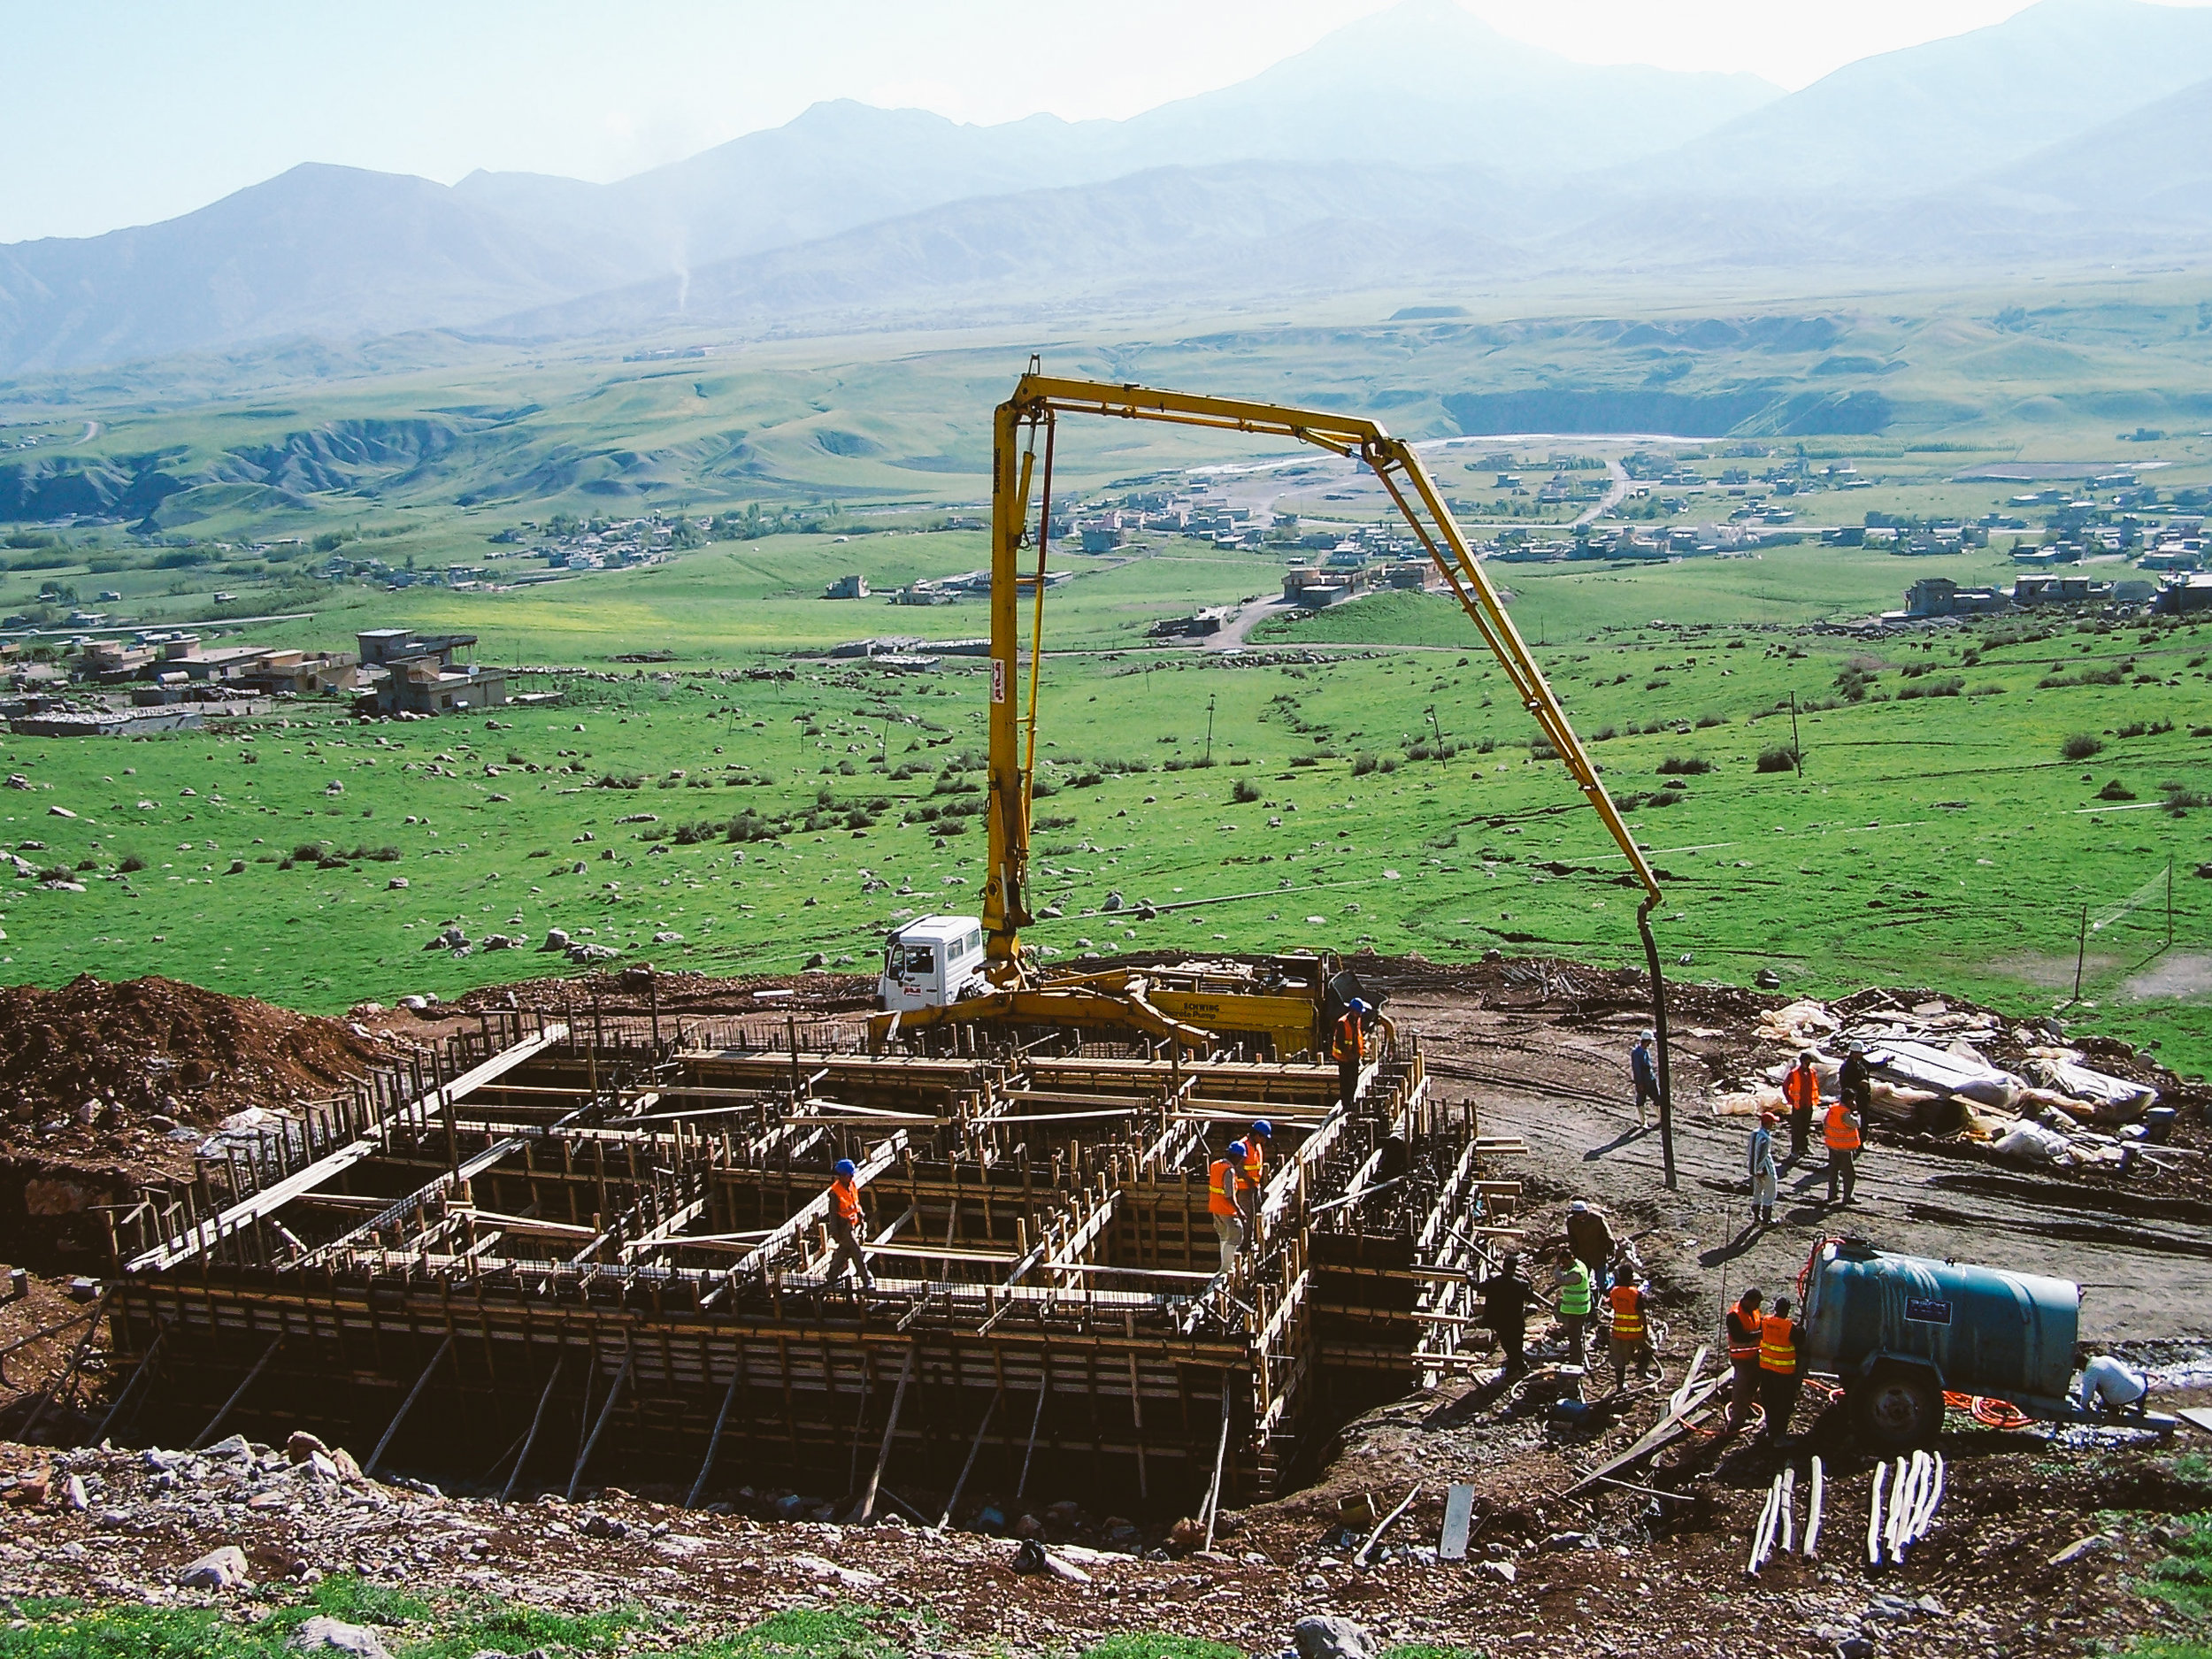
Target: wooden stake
<point x="238" y="1393"/>
<point x="974" y="1446"/>
<point x="864" y="1510"/>
<point x="137" y="1376"/>
<point x="531" y="1439"/>
<point x="407" y="1405"/>
<point x="715" y="1438"/>
<point x="605" y="1411"/>
<point x="1044" y="1388"/>
<point x="1221" y="1455"/>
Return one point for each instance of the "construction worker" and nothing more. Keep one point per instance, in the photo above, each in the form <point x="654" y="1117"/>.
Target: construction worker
<point x="1577" y="1294"/>
<point x="1224" y="1202"/>
<point x="1856" y="1081"/>
<point x="1631" y="1333"/>
<point x="1781" y="1363"/>
<point x="847" y="1225"/>
<point x="2109" y="1384"/>
<point x="1348" y="1048"/>
<point x="1743" y="1322"/>
<point x="1590" y="1241"/>
<point x="1505" y="1298"/>
<point x="1840" y="1130"/>
<point x="1766" y="1180"/>
<point x="1255" y="1175"/>
<point x="1801" y="1089"/>
<point x="1644" y="1074"/>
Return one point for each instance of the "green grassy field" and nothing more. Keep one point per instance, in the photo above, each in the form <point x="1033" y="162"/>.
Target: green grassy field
<point x="1936" y="837"/>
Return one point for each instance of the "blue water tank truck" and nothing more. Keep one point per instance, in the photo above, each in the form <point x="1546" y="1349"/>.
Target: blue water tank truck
<point x="1900" y="1332"/>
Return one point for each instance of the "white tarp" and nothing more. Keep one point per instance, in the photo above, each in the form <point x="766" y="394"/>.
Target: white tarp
<point x="1945" y="1071"/>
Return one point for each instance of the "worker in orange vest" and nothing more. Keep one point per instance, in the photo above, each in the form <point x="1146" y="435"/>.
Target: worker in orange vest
<point x="1840" y="1130"/>
<point x="1630" y="1302"/>
<point x="1801" y="1089"/>
<point x="847" y="1224"/>
<point x="1781" y="1372"/>
<point x="1743" y="1322"/>
<point x="1254" y="1173"/>
<point x="1348" y="1049"/>
<point x="1225" y="1187"/>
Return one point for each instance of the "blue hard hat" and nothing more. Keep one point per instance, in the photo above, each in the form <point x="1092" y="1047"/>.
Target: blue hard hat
<point x="1237" y="1150"/>
<point x="1356" y="1005"/>
<point x="1263" y="1128"/>
<point x="847" y="1168"/>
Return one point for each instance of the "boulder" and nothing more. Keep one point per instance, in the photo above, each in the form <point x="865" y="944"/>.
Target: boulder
<point x="1328" y="1636"/>
<point x="303" y="1445"/>
<point x="324" y="1634"/>
<point x="222" y="1569"/>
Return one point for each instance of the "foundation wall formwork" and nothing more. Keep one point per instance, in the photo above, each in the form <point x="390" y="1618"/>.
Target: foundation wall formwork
<point x="554" y="1254"/>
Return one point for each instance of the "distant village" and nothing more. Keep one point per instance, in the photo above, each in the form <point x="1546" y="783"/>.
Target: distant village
<point x="166" y="680"/>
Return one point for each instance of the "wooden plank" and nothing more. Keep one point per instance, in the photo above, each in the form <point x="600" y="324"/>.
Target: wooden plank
<point x="714" y="1439"/>
<point x="1459" y="1514"/>
<point x="269" y="1200"/>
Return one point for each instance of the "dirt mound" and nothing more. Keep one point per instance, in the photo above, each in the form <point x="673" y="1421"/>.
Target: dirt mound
<point x="153" y="1045"/>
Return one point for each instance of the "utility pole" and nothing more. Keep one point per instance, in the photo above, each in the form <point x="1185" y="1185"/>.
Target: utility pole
<point x="2081" y="952"/>
<point x="1797" y="750"/>
<point x="1437" y="726"/>
<point x="1210" y="728"/>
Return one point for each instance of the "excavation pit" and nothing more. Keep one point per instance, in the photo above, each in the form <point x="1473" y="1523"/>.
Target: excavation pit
<point x="555" y="1255"/>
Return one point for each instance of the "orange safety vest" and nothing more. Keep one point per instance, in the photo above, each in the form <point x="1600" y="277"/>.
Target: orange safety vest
<point x="1802" y="1089"/>
<point x="1219" y="1200"/>
<point x="1838" y="1131"/>
<point x="1745" y="1332"/>
<point x="1252" y="1166"/>
<point x="1351" y="1039"/>
<point x="845" y="1197"/>
<point x="1777" y="1345"/>
<point x="1628" y="1313"/>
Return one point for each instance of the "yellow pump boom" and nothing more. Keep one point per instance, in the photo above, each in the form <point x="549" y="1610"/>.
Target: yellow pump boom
<point x="1033" y="411"/>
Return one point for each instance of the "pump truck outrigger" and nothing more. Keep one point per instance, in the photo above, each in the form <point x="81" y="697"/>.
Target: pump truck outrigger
<point x="1158" y="1002"/>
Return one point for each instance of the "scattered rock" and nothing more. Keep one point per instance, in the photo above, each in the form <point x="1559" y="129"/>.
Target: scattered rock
<point x="303" y="1445"/>
<point x="2081" y="1546"/>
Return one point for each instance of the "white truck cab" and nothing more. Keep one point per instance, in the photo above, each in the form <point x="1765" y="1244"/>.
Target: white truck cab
<point x="932" y="962"/>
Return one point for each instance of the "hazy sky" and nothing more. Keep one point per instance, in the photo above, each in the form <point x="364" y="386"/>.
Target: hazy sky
<point x="123" y="111"/>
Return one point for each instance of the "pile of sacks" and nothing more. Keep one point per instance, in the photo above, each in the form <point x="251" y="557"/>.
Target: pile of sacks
<point x="2049" y="1111"/>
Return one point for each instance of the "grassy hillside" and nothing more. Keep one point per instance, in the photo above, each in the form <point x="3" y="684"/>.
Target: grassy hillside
<point x="1938" y="835"/>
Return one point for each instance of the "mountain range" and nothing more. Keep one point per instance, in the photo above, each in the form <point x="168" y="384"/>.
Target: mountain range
<point x="1416" y="150"/>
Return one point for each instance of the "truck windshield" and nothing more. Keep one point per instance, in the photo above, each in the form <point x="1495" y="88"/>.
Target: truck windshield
<point x="921" y="959"/>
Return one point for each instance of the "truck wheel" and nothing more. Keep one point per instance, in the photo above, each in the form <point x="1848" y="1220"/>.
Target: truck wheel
<point x="1897" y="1407"/>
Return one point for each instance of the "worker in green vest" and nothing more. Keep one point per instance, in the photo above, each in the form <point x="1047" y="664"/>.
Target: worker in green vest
<point x="1577" y="1296"/>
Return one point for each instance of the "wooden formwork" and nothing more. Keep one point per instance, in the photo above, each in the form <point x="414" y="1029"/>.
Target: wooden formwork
<point x="552" y="1252"/>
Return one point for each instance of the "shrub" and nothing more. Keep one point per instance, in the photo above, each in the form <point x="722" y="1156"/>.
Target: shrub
<point x="2115" y="791"/>
<point x="1684" y="766"/>
<point x="2081" y="746"/>
<point x="1362" y="764"/>
<point x="1949" y="685"/>
<point x="1707" y="720"/>
<point x="1540" y="749"/>
<point x="1777" y="760"/>
<point x="132" y="865"/>
<point x="1244" y="793"/>
<point x="1061" y="822"/>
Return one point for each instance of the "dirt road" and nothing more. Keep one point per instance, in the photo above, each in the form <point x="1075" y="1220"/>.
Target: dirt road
<point x="1555" y="1072"/>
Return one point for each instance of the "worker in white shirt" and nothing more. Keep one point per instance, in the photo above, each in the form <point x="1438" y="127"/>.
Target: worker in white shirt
<point x="2108" y="1385"/>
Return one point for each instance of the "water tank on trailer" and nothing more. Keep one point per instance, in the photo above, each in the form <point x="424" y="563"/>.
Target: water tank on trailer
<point x="1985" y="1329"/>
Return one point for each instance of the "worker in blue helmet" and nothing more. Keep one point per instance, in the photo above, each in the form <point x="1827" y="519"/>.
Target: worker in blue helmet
<point x="847" y="1224"/>
<point x="1261" y="1130"/>
<point x="1348" y="1047"/>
